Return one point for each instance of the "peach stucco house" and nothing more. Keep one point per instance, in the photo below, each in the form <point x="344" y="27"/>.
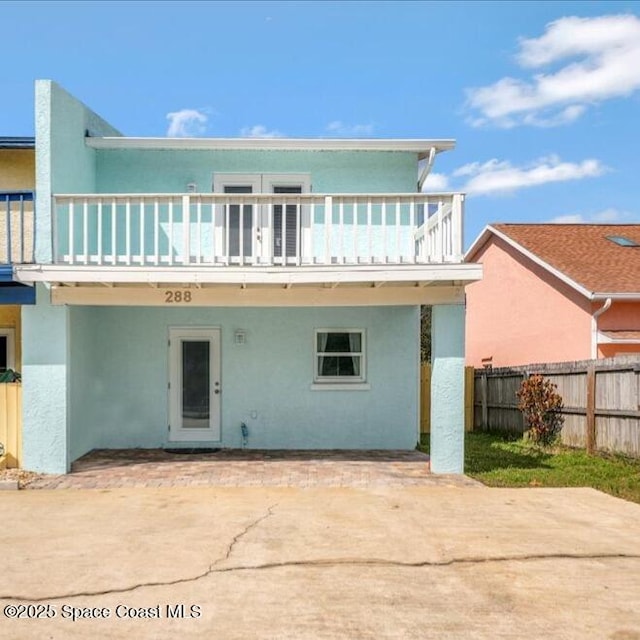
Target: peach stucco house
<point x="552" y="293"/>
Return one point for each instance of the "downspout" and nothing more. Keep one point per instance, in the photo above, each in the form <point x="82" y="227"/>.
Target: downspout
<point x="594" y="327"/>
<point x="427" y="168"/>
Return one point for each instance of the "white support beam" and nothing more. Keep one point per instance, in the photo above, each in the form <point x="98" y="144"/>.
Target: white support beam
<point x="296" y="275"/>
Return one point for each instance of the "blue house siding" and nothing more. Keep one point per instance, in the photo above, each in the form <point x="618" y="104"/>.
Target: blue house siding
<point x="64" y="164"/>
<point x="97" y="376"/>
<point x="170" y="170"/>
<point x="119" y="372"/>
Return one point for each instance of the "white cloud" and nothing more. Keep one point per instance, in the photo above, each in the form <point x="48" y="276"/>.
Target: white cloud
<point x="260" y="131"/>
<point x="436" y="182"/>
<point x="601" y="59"/>
<point x="573" y="218"/>
<point x="497" y="176"/>
<point x="606" y="216"/>
<point x="186" y="123"/>
<point x="337" y="127"/>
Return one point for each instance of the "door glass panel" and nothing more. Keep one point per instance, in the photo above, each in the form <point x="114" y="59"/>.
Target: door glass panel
<point x="292" y="224"/>
<point x="240" y="216"/>
<point x="195" y="384"/>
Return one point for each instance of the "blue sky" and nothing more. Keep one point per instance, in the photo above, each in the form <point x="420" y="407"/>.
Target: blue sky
<point x="543" y="98"/>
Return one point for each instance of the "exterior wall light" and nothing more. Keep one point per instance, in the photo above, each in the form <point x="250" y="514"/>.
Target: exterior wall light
<point x="240" y="336"/>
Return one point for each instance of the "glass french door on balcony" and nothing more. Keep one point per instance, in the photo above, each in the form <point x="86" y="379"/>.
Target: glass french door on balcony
<point x="237" y="223"/>
<point x="266" y="233"/>
<point x="286" y="224"/>
<point x="240" y="220"/>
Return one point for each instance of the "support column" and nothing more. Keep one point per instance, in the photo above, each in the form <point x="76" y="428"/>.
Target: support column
<point x="45" y="362"/>
<point x="447" y="389"/>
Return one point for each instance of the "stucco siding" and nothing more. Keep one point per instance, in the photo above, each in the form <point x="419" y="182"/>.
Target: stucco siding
<point x="45" y="331"/>
<point x="519" y="313"/>
<point x="119" y="374"/>
<point x="64" y="163"/>
<point x="169" y="171"/>
<point x="621" y="316"/>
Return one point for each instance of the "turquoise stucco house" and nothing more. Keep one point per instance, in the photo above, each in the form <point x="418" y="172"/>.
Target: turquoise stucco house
<point x="236" y="292"/>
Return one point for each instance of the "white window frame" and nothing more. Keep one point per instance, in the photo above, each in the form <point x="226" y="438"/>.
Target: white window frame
<point x="337" y="383"/>
<point x="10" y="335"/>
<point x="177" y="432"/>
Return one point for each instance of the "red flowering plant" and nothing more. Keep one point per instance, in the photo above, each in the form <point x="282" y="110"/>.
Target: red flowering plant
<point x="541" y="405"/>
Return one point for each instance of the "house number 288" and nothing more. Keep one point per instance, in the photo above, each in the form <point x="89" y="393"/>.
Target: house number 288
<point x="177" y="296"/>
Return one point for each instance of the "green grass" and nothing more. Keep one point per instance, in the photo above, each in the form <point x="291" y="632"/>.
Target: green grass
<point x="499" y="462"/>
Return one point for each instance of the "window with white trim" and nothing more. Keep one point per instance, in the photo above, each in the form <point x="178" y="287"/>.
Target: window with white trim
<point x="339" y="355"/>
<point x="7" y="349"/>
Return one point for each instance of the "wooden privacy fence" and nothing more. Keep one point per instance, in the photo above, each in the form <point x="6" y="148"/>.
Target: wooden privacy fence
<point x="11" y="422"/>
<point x="601" y="401"/>
<point x="425" y="398"/>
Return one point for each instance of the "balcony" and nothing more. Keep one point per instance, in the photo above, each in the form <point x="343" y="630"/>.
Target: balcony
<point x="16" y="244"/>
<point x="256" y="230"/>
<point x="16" y="228"/>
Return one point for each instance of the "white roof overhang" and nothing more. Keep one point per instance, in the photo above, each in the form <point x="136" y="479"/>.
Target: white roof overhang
<point x="421" y="147"/>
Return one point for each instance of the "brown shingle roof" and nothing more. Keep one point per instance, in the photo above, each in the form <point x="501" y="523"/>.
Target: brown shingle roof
<point x="583" y="253"/>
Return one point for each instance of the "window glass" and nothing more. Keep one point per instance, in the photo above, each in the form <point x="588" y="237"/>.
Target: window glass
<point x="339" y="355"/>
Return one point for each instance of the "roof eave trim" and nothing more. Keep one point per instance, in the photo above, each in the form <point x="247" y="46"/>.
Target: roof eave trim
<point x="421" y="147"/>
<point x="630" y="296"/>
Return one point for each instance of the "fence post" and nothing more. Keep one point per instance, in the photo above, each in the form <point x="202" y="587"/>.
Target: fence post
<point x="469" y="379"/>
<point x="483" y="400"/>
<point x="590" y="425"/>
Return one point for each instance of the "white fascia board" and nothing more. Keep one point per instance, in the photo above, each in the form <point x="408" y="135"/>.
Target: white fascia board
<point x="421" y="147"/>
<point x="478" y="243"/>
<point x="462" y="273"/>
<point x="483" y="237"/>
<point x="620" y="297"/>
<point x="604" y="339"/>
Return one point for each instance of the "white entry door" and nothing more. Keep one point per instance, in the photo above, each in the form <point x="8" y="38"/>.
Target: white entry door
<point x="194" y="384"/>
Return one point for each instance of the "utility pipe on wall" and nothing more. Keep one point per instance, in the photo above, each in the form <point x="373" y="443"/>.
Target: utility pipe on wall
<point x="594" y="327"/>
<point x="427" y="168"/>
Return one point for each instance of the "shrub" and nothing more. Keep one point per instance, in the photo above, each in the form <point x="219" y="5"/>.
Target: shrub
<point x="540" y="404"/>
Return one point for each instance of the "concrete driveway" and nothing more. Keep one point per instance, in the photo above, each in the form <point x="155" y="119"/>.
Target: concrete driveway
<point x="255" y="562"/>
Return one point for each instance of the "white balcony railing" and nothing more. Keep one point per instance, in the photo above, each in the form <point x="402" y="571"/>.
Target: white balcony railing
<point x="16" y="227"/>
<point x="256" y="229"/>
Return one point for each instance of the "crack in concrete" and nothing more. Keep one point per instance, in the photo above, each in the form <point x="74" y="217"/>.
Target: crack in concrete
<point x="167" y="583"/>
<point x="366" y="562"/>
<point x="329" y="562"/>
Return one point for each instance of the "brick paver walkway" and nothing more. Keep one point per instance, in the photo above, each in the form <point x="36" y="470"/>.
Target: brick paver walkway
<point x="105" y="469"/>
